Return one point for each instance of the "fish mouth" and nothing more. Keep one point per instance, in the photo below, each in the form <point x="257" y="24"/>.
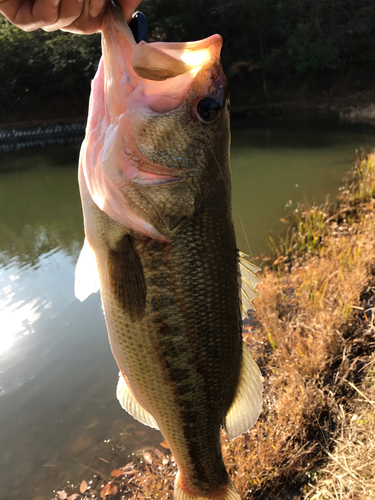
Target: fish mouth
<point x="160" y="61"/>
<point x="161" y="73"/>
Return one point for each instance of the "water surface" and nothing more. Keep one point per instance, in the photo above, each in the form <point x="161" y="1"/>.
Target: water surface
<point x="58" y="413"/>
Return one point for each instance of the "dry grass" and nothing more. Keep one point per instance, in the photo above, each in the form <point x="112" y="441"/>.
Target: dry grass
<point x="349" y="473"/>
<point x="307" y="336"/>
<point x="312" y="335"/>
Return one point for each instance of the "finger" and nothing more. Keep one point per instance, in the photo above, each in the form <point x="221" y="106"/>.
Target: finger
<point x="34" y="14"/>
<point x="86" y="23"/>
<point x="96" y="7"/>
<point x="69" y="11"/>
<point x="9" y="8"/>
<point x="20" y="13"/>
<point x="45" y="12"/>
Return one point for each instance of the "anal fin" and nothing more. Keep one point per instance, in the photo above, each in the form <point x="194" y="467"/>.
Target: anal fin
<point x="132" y="406"/>
<point x="247" y="403"/>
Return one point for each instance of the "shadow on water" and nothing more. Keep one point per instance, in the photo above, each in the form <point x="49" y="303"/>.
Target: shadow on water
<point x="57" y="374"/>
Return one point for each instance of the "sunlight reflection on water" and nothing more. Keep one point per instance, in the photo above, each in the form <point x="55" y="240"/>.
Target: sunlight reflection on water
<point x="25" y="295"/>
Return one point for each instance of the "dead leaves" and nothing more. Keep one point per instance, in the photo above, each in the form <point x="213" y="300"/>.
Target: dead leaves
<point x="128" y="468"/>
<point x="161" y="456"/>
<point x="108" y="489"/>
<point x="105" y="487"/>
<point x="117" y="473"/>
<point x="147" y="458"/>
<point x="83" y="486"/>
<point x="137" y="496"/>
<point x="61" y="495"/>
<point x="128" y="480"/>
<point x="157" y="455"/>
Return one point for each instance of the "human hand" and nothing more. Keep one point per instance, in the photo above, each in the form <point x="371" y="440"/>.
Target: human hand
<point x="76" y="16"/>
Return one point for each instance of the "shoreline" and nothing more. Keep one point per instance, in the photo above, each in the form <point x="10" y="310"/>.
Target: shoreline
<point x="356" y="108"/>
<point x="40" y="134"/>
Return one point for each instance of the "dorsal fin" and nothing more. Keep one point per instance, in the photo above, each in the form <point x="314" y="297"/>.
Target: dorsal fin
<point x="248" y="282"/>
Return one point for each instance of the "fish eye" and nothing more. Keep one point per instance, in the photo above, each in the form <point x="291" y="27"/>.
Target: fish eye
<point x="208" y="109"/>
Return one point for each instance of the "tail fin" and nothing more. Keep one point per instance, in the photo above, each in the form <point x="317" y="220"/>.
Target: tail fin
<point x="228" y="493"/>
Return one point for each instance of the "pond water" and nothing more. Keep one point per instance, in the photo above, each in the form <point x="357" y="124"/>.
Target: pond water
<point x="59" y="418"/>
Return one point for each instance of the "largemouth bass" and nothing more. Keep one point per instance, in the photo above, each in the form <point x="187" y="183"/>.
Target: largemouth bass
<point x="155" y="183"/>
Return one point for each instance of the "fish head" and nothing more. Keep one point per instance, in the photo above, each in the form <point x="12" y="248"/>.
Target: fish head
<point x="158" y="132"/>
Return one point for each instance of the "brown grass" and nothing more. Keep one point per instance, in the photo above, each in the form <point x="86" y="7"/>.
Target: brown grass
<point x="312" y="336"/>
<point x="349" y="473"/>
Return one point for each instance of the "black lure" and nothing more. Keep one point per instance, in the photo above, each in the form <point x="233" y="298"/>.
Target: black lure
<point x="138" y="25"/>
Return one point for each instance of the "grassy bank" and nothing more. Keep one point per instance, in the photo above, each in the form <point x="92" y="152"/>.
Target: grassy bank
<point x="313" y="336"/>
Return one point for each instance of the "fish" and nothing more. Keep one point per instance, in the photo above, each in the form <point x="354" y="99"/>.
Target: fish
<point x="155" y="185"/>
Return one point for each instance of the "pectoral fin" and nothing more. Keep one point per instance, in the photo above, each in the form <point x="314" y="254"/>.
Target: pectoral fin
<point x="126" y="278"/>
<point x="86" y="274"/>
<point x="247" y="404"/>
<point x="130" y="404"/>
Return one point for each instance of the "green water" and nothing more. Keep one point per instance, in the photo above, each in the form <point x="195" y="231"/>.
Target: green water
<point x="280" y="165"/>
<point x="58" y="413"/>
